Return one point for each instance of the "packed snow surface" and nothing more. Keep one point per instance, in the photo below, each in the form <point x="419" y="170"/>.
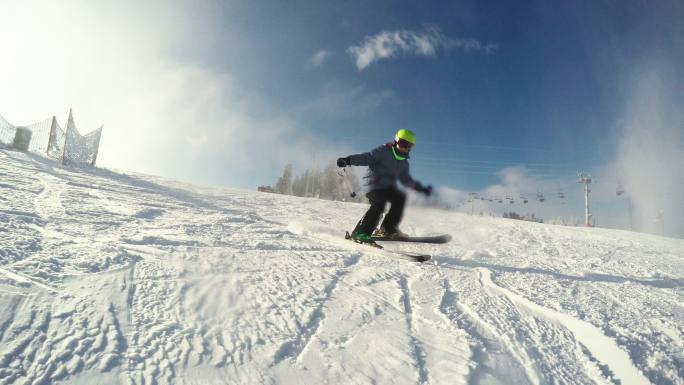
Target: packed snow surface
<point x="111" y="278"/>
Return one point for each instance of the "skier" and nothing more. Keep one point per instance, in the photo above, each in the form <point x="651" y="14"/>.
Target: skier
<point x="386" y="164"/>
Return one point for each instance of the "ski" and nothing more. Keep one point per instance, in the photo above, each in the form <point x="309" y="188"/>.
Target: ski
<point x="444" y="238"/>
<point x="413" y="257"/>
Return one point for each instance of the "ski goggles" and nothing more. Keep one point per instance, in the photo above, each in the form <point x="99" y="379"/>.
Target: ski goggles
<point x="404" y="144"/>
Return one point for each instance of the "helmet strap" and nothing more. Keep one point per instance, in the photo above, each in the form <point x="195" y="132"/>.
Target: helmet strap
<point x="398" y="155"/>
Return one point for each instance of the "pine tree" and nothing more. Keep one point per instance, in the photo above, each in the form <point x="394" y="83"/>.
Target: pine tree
<point x="284" y="184"/>
<point x="329" y="183"/>
<point x="299" y="186"/>
<point x="316" y="178"/>
<point x="325" y="184"/>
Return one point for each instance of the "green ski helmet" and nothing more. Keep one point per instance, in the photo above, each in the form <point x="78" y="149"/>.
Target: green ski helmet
<point x="406" y="135"/>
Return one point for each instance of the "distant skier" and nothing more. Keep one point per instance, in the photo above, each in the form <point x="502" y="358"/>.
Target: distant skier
<point x="386" y="164"/>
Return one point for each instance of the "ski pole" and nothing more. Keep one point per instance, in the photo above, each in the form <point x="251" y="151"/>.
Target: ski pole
<point x="345" y="183"/>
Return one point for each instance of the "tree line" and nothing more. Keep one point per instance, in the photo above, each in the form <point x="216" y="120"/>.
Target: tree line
<point x="329" y="183"/>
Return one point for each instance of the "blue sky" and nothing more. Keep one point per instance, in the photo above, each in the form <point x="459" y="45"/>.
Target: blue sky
<point x="547" y="95"/>
<point x="504" y="96"/>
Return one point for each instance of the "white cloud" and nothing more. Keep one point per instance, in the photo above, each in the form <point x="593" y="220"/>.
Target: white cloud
<point x="389" y="44"/>
<point x="197" y="141"/>
<point x="469" y="45"/>
<point x="342" y="101"/>
<point x="649" y="161"/>
<point x="112" y="70"/>
<point x="318" y="58"/>
<point x="163" y="111"/>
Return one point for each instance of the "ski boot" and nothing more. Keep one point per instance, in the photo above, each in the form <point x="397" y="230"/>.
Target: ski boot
<point x="362" y="238"/>
<point x="384" y="233"/>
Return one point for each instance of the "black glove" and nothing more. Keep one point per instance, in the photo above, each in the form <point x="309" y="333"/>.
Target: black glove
<point x="343" y="162"/>
<point x="427" y="190"/>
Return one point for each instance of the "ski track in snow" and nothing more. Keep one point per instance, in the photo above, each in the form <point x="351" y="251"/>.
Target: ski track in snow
<point x="122" y="278"/>
<point x="600" y="346"/>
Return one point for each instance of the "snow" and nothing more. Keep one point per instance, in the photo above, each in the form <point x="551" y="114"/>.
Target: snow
<point x="113" y="278"/>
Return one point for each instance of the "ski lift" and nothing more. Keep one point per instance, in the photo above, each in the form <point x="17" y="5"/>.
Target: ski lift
<point x="560" y="194"/>
<point x="509" y="199"/>
<point x="540" y="196"/>
<point x="524" y="200"/>
<point x="619" y="190"/>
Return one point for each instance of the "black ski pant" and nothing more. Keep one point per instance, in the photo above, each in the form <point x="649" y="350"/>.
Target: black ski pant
<point x="378" y="200"/>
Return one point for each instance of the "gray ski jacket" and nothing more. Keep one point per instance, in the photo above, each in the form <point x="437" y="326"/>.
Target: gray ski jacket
<point x="383" y="168"/>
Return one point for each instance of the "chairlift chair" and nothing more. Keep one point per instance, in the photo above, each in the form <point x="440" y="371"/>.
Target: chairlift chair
<point x="523" y="199"/>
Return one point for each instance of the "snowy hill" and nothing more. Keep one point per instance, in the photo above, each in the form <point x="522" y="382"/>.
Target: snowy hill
<point x="108" y="278"/>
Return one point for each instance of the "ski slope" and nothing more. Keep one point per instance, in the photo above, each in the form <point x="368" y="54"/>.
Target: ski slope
<point x="110" y="278"/>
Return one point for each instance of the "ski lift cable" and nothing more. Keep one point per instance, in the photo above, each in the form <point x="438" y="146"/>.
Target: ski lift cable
<point x="496" y="170"/>
<point x="475" y="146"/>
<point x="479" y="146"/>
<point x="448" y="168"/>
<point x="491" y="168"/>
<point x="561" y="166"/>
<point x="492" y="165"/>
<point x="495" y="166"/>
<point x="511" y="162"/>
<point x="498" y="173"/>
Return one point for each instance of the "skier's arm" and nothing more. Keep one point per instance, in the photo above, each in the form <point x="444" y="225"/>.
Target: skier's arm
<point x="406" y="179"/>
<point x="363" y="159"/>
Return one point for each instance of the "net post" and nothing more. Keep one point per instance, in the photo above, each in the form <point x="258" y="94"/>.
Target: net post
<point x="66" y="140"/>
<point x="97" y="145"/>
<point x="52" y="132"/>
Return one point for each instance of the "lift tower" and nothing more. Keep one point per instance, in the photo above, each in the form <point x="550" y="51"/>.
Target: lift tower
<point x="585" y="179"/>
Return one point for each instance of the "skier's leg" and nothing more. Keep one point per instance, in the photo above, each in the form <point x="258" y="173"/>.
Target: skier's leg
<point x="397" y="199"/>
<point x="378" y="200"/>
